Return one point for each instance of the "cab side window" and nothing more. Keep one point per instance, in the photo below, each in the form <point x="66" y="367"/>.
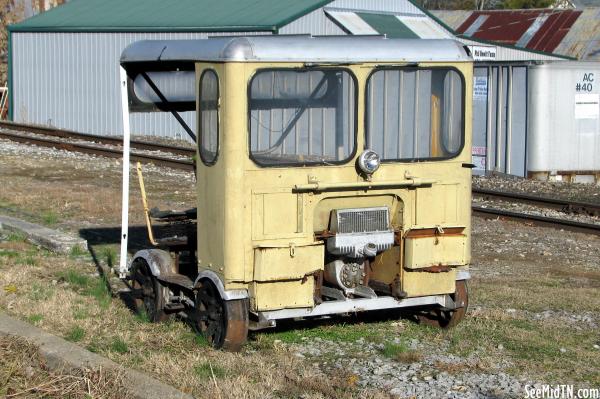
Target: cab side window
<point x="415" y="114"/>
<point x="209" y="117"/>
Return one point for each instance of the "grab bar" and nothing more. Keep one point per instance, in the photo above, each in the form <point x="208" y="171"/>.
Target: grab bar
<point x="366" y="185"/>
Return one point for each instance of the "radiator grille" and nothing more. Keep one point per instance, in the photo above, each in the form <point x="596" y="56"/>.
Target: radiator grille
<point x="362" y="220"/>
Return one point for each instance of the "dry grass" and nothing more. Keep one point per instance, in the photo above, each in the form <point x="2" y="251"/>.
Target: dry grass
<point x="76" y="193"/>
<point x="23" y="374"/>
<point x="59" y="295"/>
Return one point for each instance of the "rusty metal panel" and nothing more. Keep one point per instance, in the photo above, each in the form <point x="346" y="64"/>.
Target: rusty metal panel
<point x="540" y="30"/>
<point x="553" y="30"/>
<point x="583" y="39"/>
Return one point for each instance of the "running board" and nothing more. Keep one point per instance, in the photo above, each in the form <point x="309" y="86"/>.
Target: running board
<point x="359" y="305"/>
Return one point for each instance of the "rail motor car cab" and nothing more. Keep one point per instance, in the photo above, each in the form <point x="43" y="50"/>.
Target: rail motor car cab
<point x="333" y="177"/>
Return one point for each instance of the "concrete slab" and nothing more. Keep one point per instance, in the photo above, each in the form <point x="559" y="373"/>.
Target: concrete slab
<point x="53" y="240"/>
<point x="63" y="355"/>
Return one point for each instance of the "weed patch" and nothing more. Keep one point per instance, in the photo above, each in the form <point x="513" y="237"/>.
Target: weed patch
<point x="96" y="287"/>
<point x="207" y="370"/>
<point x="119" y="346"/>
<point x="35" y="318"/>
<point x="50" y="218"/>
<point x="401" y="352"/>
<point x="76" y="334"/>
<point x="77" y="252"/>
<point x="15" y="236"/>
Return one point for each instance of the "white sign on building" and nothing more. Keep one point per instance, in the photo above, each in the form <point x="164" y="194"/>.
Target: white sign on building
<point x="483" y="53"/>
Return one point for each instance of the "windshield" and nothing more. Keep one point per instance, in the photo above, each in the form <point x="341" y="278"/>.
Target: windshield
<point x="415" y="114"/>
<point x="302" y="116"/>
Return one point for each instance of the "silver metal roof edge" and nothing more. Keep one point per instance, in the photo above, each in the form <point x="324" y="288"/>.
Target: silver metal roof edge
<point x="238" y="49"/>
<point x="339" y="49"/>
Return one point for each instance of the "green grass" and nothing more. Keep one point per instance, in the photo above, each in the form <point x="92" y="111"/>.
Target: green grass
<point x="119" y="346"/>
<point x="77" y="252"/>
<point x="27" y="260"/>
<point x="192" y="337"/>
<point x="96" y="287"/>
<point x="400" y="352"/>
<point x="76" y="334"/>
<point x="80" y="314"/>
<point x="142" y="317"/>
<point x="35" y="318"/>
<point x="343" y="332"/>
<point x="93" y="347"/>
<point x="50" y="218"/>
<point x="207" y="370"/>
<point x="15" y="236"/>
<point x="391" y="350"/>
<point x="9" y="253"/>
<point x="109" y="254"/>
<point x="75" y="278"/>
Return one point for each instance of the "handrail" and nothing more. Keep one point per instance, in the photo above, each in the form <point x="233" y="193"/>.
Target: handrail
<point x="366" y="185"/>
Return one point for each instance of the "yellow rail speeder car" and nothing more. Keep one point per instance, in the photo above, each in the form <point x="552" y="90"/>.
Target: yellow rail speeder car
<point x="333" y="177"/>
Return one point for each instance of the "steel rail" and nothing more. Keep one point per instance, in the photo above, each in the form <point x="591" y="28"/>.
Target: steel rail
<point x="563" y="205"/>
<point x="98" y="150"/>
<point x="68" y="134"/>
<point x="571" y="225"/>
<point x="551" y="203"/>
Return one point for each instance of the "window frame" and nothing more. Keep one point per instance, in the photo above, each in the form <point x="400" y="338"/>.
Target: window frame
<point x="354" y="151"/>
<point x="200" y="130"/>
<point x="417" y="68"/>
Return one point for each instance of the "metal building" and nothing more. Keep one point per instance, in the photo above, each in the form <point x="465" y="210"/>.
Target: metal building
<point x="64" y="62"/>
<point x="572" y="33"/>
<point x="559" y="109"/>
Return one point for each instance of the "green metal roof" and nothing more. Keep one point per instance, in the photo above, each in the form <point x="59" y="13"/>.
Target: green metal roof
<point x="169" y="15"/>
<point x="388" y="25"/>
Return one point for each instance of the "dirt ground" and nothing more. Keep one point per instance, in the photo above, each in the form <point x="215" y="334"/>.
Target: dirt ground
<point x="534" y="311"/>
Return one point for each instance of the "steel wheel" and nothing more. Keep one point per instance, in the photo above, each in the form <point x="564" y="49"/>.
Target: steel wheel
<point x="449" y="318"/>
<point x="147" y="292"/>
<point x="224" y="324"/>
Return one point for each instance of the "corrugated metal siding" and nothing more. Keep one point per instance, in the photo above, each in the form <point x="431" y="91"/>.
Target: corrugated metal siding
<point x="540" y="30"/>
<point x="507" y="54"/>
<point x="70" y="80"/>
<point x="317" y="23"/>
<point x="583" y="40"/>
<point x="452" y="18"/>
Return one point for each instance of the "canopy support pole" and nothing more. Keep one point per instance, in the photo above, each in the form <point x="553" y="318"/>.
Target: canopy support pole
<point x="123" y="266"/>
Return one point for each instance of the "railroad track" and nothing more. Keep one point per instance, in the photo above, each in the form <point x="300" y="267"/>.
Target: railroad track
<point x="97" y="145"/>
<point x="571" y="207"/>
<point x="537" y="220"/>
<point x="568" y="207"/>
<point x="112" y="147"/>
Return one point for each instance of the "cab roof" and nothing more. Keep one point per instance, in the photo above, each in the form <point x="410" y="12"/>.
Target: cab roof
<point x="282" y="48"/>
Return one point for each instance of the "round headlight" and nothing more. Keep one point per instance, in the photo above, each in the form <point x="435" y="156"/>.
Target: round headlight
<point x="369" y="162"/>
